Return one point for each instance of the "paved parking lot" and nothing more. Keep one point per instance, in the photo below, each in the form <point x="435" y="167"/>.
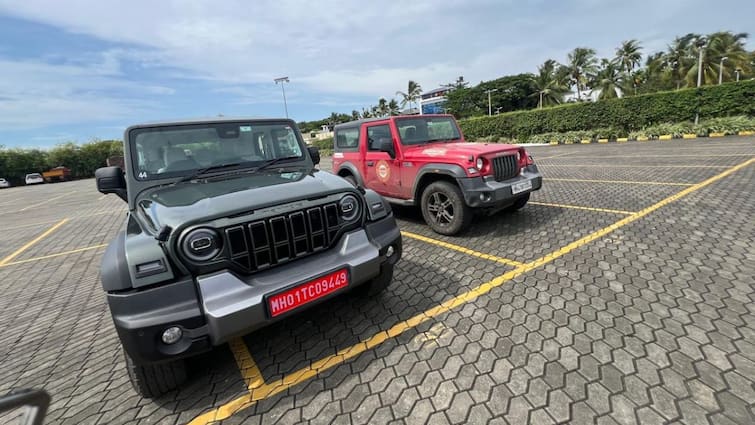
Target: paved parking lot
<point x="623" y="293"/>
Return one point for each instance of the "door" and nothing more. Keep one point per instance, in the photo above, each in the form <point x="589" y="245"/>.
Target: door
<point x="382" y="173"/>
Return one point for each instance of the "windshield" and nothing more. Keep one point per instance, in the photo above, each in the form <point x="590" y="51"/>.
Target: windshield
<point x="181" y="150"/>
<point x="419" y="130"/>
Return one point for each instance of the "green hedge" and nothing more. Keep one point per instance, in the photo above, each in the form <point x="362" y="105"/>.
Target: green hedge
<point x="626" y="114"/>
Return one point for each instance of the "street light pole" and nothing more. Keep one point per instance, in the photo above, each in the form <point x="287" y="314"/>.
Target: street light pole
<point x="282" y="80"/>
<point x="721" y="70"/>
<point x="490" y="105"/>
<point x="737" y="71"/>
<point x="701" y="49"/>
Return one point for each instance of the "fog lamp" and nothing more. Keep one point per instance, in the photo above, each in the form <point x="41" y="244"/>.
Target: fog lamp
<point x="389" y="251"/>
<point x="172" y="335"/>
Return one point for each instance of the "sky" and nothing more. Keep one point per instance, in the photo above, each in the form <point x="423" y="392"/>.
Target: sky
<point x="81" y="69"/>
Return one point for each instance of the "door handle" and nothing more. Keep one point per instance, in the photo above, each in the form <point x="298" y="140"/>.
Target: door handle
<point x="370" y="163"/>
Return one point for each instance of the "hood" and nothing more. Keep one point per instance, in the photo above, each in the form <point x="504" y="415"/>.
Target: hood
<point x="188" y="202"/>
<point x="455" y="151"/>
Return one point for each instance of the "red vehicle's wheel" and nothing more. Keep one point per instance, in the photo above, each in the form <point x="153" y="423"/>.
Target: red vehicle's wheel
<point x="443" y="208"/>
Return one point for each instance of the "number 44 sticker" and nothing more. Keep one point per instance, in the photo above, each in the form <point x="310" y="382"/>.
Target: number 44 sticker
<point x="142" y="174"/>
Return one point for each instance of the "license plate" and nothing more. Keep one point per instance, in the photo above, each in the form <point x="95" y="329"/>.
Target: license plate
<point x="307" y="292"/>
<point x="521" y="186"/>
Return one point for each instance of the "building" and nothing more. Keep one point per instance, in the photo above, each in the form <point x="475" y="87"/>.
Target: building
<point x="433" y="101"/>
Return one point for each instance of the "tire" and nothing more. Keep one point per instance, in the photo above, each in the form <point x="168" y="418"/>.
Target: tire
<point x="349" y="178"/>
<point x="520" y="203"/>
<point x="154" y="380"/>
<point x="444" y="209"/>
<point x="378" y="284"/>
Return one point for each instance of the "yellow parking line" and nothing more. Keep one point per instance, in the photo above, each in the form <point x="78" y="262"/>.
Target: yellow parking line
<point x="578" y="207"/>
<point x="30" y="225"/>
<point x="461" y="249"/>
<point x="634" y="166"/>
<point x="302" y="375"/>
<point x="46" y="201"/>
<point x="18" y="252"/>
<point x="44" y="257"/>
<point x="618" y="181"/>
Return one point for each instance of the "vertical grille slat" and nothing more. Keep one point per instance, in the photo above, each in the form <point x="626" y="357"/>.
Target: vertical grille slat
<point x="505" y="167"/>
<point x="265" y="243"/>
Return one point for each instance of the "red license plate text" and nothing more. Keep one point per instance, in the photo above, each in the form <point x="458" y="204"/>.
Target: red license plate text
<point x="307" y="292"/>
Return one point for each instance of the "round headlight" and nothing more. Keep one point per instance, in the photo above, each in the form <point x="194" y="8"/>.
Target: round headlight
<point x="348" y="207"/>
<point x="201" y="244"/>
<point x="479" y="163"/>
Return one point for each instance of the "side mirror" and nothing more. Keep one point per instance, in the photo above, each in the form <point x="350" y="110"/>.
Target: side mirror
<point x="386" y="145"/>
<point x="314" y="153"/>
<point x="111" y="180"/>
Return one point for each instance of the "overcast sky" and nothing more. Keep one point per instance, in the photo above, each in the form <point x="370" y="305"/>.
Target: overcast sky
<point x="79" y="69"/>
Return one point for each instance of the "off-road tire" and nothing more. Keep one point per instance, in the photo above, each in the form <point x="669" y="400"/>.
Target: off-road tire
<point x="520" y="203"/>
<point x="461" y="214"/>
<point x="154" y="380"/>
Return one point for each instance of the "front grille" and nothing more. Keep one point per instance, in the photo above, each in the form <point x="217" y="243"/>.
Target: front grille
<point x="261" y="244"/>
<point x="505" y="167"/>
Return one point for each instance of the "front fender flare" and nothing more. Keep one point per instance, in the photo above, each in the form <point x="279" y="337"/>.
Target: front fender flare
<point x="451" y="170"/>
<point x="353" y="170"/>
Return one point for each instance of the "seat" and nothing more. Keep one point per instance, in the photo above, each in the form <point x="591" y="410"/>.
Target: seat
<point x="176" y="160"/>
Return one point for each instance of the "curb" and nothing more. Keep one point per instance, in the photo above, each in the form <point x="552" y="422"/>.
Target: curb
<point x="663" y="137"/>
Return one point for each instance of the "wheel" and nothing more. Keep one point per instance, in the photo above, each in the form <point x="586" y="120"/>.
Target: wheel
<point x="377" y="284"/>
<point x="443" y="208"/>
<point x="153" y="380"/>
<point x="520" y="203"/>
<point x="349" y="178"/>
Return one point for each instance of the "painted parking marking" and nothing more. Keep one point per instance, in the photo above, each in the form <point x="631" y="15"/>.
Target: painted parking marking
<point x="462" y="249"/>
<point x="268" y="389"/>
<point x="18" y="252"/>
<point x="665" y="156"/>
<point x="579" y="207"/>
<point x="45" y="257"/>
<point x="46" y="201"/>
<point x="634" y="166"/>
<point x="617" y="182"/>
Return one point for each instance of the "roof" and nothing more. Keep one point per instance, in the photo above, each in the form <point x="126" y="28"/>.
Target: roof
<point x="438" y="90"/>
<point x="390" y="117"/>
<point x="206" y="120"/>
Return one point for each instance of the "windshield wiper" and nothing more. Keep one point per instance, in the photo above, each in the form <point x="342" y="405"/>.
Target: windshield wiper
<point x="206" y="170"/>
<point x="269" y="163"/>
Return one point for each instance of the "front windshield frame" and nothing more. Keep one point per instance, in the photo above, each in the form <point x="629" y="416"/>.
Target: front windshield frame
<point x="138" y="155"/>
<point x="405" y="141"/>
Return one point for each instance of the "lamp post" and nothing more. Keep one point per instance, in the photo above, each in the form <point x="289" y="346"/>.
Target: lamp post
<point x="721" y="70"/>
<point x="737" y="71"/>
<point x="701" y="48"/>
<point x="490" y="105"/>
<point x="282" y="80"/>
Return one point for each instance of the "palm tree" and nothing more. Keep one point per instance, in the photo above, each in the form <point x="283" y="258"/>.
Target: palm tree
<point x="680" y="57"/>
<point x="393" y="108"/>
<point x="382" y="107"/>
<point x="628" y="55"/>
<point x="582" y="64"/>
<point x="412" y="94"/>
<point x="609" y="80"/>
<point x="355" y="115"/>
<point x="550" y="89"/>
<point x="725" y="45"/>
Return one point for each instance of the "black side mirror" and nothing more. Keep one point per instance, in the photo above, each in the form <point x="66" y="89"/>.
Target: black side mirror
<point x="33" y="404"/>
<point x="386" y="145"/>
<point x="111" y="180"/>
<point x="314" y="153"/>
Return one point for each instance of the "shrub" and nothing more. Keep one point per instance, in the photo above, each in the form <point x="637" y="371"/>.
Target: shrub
<point x="624" y="115"/>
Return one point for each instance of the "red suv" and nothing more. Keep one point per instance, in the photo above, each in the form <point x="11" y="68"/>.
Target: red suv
<point x="423" y="159"/>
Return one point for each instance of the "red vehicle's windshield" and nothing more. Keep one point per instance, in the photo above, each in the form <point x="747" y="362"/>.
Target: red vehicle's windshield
<point x="420" y="130"/>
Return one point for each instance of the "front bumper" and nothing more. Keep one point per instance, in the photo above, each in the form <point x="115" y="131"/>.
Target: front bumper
<point x="484" y="192"/>
<point x="214" y="308"/>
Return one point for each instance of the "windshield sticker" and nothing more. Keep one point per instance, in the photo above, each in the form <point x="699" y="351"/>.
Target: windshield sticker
<point x="434" y="152"/>
<point x="245" y="128"/>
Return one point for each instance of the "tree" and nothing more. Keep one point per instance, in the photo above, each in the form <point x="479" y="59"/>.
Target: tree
<point x="393" y="107"/>
<point x="725" y="45"/>
<point x="411" y="95"/>
<point x="609" y="80"/>
<point x="514" y="92"/>
<point x="582" y="64"/>
<point x="628" y="55"/>
<point x="382" y="107"/>
<point x="355" y="115"/>
<point x="550" y="86"/>
<point x="458" y="84"/>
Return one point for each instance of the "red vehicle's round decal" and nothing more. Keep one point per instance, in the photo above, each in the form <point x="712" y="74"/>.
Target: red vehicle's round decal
<point x="383" y="170"/>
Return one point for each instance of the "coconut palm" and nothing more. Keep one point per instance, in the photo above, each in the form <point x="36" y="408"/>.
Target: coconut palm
<point x="628" y="55"/>
<point x="382" y="107"/>
<point x="609" y="80"/>
<point x="412" y="94"/>
<point x="679" y="58"/>
<point x="582" y="64"/>
<point x="730" y="46"/>
<point x="393" y="108"/>
<point x="550" y="89"/>
<point x="355" y="115"/>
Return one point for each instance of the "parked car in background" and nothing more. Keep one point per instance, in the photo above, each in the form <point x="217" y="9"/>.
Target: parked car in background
<point x="57" y="174"/>
<point x="34" y="178"/>
<point x="424" y="160"/>
<point x="4" y="183"/>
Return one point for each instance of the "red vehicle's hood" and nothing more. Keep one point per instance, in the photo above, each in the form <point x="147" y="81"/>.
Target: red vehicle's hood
<point x="454" y="151"/>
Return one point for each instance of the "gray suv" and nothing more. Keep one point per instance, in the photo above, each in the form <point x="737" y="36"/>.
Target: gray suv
<point x="230" y="227"/>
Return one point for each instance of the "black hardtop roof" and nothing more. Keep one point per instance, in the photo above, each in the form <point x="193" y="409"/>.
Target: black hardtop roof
<point x="388" y="118"/>
<point x="208" y="120"/>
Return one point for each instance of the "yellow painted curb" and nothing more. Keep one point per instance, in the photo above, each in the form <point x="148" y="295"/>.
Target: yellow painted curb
<point x="622" y="139"/>
<point x="665" y="137"/>
<point x="642" y="139"/>
<point x="689" y="136"/>
<point x="568" y="142"/>
<point x="585" y="142"/>
<point x="746" y="133"/>
<point x="716" y="135"/>
<point x="602" y="140"/>
<point x="554" y="142"/>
